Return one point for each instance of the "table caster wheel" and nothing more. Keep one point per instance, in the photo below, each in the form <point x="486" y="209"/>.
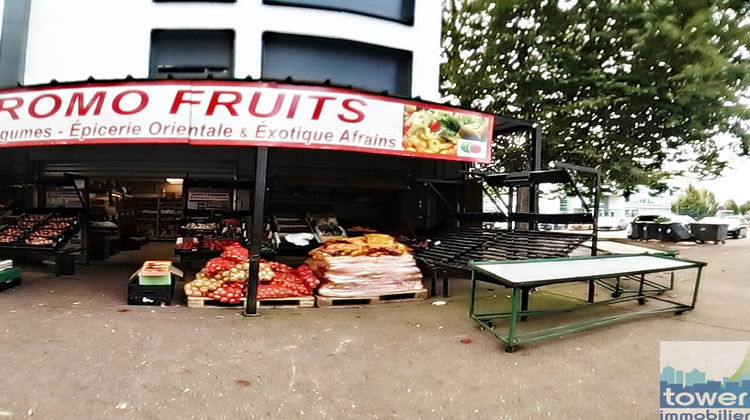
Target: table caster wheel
<point x="510" y="349"/>
<point x="490" y="325"/>
<point x="641" y="301"/>
<point x="616" y="294"/>
<point x="679" y="312"/>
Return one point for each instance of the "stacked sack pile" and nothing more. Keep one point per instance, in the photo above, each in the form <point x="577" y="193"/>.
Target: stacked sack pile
<point x="224" y="278"/>
<point x="277" y="280"/>
<point x="369" y="265"/>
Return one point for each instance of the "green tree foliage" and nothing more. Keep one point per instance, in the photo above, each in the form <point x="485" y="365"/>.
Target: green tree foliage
<point x="744" y="208"/>
<point x="694" y="202"/>
<point x="628" y="86"/>
<point x="731" y="205"/>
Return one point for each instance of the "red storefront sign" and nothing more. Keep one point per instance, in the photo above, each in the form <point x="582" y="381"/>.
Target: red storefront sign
<point x="229" y="113"/>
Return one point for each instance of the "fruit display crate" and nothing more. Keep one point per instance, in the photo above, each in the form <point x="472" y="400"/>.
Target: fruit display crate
<point x="285" y="225"/>
<point x="325" y="236"/>
<point x="157" y="273"/>
<point x="46" y="231"/>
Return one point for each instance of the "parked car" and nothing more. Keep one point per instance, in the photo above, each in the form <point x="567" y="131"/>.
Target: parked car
<point x="546" y="226"/>
<point x="580" y="226"/>
<point x="612" y="223"/>
<point x="736" y="227"/>
<point x="552" y="226"/>
<point x="682" y="219"/>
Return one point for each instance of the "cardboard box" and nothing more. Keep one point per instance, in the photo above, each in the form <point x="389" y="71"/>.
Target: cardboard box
<point x="157" y="273"/>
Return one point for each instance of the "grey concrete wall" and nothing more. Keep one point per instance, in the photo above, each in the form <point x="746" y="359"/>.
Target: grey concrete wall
<point x="15" y="27"/>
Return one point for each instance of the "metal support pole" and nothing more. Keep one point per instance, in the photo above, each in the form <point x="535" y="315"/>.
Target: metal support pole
<point x="85" y="223"/>
<point x="440" y="196"/>
<point x="84" y="197"/>
<point x="525" y="301"/>
<point x="595" y="226"/>
<point x="695" y="290"/>
<point x="492" y="195"/>
<point x="510" y="207"/>
<point x="514" y="304"/>
<point x="536" y="165"/>
<point x="536" y="148"/>
<point x="261" y="172"/>
<point x="472" y="296"/>
<point x="641" y="300"/>
<point x="597" y="187"/>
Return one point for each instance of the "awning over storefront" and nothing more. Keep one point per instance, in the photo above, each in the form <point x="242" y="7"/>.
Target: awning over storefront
<point x="246" y="113"/>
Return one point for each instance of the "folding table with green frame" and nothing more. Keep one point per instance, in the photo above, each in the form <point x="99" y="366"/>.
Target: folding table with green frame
<point x="523" y="275"/>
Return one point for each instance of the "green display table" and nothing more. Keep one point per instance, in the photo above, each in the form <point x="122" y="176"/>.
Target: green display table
<point x="523" y="275"/>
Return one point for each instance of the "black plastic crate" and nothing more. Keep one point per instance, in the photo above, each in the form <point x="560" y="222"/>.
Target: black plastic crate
<point x="149" y="295"/>
<point x="8" y="284"/>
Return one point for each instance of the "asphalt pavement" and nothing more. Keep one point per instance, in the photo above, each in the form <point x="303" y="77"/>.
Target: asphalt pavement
<point x="71" y="348"/>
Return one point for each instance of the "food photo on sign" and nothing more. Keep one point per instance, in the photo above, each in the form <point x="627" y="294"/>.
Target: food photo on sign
<point x="434" y="131"/>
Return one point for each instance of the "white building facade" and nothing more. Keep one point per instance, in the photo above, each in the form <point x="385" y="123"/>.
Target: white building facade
<point x="60" y="58"/>
<point x="66" y="40"/>
<point x="389" y="47"/>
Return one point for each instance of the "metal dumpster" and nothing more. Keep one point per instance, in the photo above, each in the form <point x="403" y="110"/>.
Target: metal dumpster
<point x="653" y="231"/>
<point x="705" y="232"/>
<point x="675" y="232"/>
<point x="635" y="230"/>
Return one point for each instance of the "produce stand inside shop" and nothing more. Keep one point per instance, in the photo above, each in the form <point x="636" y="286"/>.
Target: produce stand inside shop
<point x="522" y="275"/>
<point x="55" y="229"/>
<point x="212" y="218"/>
<point x="60" y="248"/>
<point x="63" y="255"/>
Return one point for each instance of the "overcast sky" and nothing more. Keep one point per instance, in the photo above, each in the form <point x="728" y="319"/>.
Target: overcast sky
<point x="717" y="359"/>
<point x="733" y="184"/>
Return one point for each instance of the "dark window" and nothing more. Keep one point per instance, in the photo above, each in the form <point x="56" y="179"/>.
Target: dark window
<point x="398" y="10"/>
<point x="313" y="59"/>
<point x="191" y="53"/>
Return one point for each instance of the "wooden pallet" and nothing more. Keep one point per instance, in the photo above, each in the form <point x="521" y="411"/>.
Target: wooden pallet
<point x="287" y="302"/>
<point x="327" y="301"/>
